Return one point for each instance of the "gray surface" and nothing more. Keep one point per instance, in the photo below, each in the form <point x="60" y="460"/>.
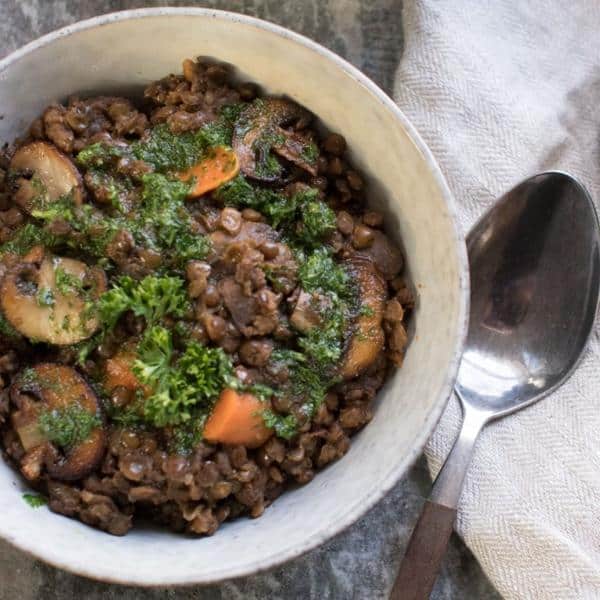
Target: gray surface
<point x="361" y="562"/>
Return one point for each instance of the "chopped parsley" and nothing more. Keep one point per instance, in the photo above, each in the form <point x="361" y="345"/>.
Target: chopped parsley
<point x="161" y="223"/>
<point x="285" y="426"/>
<point x="45" y="297"/>
<point x="312" y="368"/>
<point x="168" y="151"/>
<point x="306" y="385"/>
<point x="316" y="219"/>
<point x="324" y="345"/>
<point x="35" y="500"/>
<point x="185" y="437"/>
<point x="66" y="427"/>
<point x="28" y="376"/>
<point x="310" y="153"/>
<point x="179" y="387"/>
<point x="164" y="214"/>
<point x="66" y="283"/>
<point x="111" y="187"/>
<point x="152" y="298"/>
<point x="99" y="155"/>
<point x="366" y="311"/>
<point x="183" y="385"/>
<point x="305" y="221"/>
<point x="319" y="272"/>
<point x="94" y="230"/>
<point x="25" y="238"/>
<point x="6" y="329"/>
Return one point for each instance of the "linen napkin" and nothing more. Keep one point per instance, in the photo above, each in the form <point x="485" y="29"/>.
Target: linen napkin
<point x="500" y="90"/>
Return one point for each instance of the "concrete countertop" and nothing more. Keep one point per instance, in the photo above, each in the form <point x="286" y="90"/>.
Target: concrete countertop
<point x="361" y="562"/>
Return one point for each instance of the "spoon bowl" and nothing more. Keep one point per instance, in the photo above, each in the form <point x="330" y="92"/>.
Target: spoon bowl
<point x="535" y="274"/>
<point x="534" y="260"/>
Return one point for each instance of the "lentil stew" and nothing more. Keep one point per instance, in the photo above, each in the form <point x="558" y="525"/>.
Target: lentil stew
<point x="197" y="306"/>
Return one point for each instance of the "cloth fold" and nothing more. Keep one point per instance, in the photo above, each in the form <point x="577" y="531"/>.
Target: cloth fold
<point x="499" y="91"/>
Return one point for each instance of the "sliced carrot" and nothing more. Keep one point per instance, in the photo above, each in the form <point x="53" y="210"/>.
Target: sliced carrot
<point x="236" y="419"/>
<point x="217" y="168"/>
<point x="119" y="372"/>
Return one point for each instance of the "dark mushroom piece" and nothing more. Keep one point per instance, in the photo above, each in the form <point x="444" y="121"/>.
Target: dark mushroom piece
<point x="43" y="175"/>
<point x="308" y="310"/>
<point x="258" y="233"/>
<point x="261" y="130"/>
<point x="386" y="257"/>
<point x="368" y="338"/>
<point x="51" y="388"/>
<point x="49" y="300"/>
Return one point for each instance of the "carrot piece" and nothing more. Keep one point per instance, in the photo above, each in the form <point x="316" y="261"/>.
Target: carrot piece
<point x="236" y="419"/>
<point x="119" y="372"/>
<point x="218" y="167"/>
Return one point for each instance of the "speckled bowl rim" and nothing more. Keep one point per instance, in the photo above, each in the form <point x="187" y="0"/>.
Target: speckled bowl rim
<point x="365" y="503"/>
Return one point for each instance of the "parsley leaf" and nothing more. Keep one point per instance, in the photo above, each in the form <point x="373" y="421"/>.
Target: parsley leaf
<point x="320" y="272"/>
<point x="317" y="219"/>
<point x="179" y="387"/>
<point x="35" y="500"/>
<point x="152" y="298"/>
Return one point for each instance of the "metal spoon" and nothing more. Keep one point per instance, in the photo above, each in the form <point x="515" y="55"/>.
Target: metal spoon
<point x="535" y="275"/>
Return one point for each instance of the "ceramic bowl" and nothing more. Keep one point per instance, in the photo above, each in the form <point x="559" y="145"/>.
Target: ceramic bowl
<point x="122" y="52"/>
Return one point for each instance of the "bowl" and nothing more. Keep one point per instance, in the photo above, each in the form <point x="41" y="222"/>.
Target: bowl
<point x="122" y="52"/>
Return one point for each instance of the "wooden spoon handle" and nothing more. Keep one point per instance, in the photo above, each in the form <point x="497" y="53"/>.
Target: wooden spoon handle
<point x="428" y="542"/>
<point x="425" y="552"/>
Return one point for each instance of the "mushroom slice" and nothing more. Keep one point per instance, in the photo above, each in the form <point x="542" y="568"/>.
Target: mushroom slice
<point x="50" y="301"/>
<point x="386" y="257"/>
<point x="368" y="337"/>
<point x="308" y="311"/>
<point x="260" y="131"/>
<point x="43" y="175"/>
<point x="298" y="149"/>
<point x="58" y="391"/>
<point x="257" y="233"/>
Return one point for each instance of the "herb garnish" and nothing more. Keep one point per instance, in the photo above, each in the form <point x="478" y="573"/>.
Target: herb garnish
<point x="312" y="370"/>
<point x="66" y="283"/>
<point x="6" y="329"/>
<point x="192" y="381"/>
<point x="168" y="151"/>
<point x="152" y="298"/>
<point x="35" y="500"/>
<point x="66" y="427"/>
<point x="164" y="223"/>
<point x="45" y="297"/>
<point x="310" y="153"/>
<point x="316" y="220"/>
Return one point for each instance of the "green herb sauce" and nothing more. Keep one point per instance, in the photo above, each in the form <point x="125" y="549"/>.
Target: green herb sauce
<point x="66" y="427"/>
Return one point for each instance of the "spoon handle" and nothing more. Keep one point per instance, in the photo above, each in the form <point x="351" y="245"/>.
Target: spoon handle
<point x="429" y="539"/>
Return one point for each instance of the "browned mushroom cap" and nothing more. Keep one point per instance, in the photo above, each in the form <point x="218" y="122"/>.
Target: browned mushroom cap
<point x="386" y="257"/>
<point x="368" y="337"/>
<point x="260" y="131"/>
<point x="259" y="233"/>
<point x="44" y="174"/>
<point x="308" y="310"/>
<point x="50" y="301"/>
<point x="53" y="387"/>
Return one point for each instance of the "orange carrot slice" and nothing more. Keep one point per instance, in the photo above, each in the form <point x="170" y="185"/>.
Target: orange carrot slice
<point x="236" y="419"/>
<point x="217" y="168"/>
<point x="118" y="371"/>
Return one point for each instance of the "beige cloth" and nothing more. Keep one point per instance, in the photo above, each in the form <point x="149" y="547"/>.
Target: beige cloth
<point x="500" y="90"/>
